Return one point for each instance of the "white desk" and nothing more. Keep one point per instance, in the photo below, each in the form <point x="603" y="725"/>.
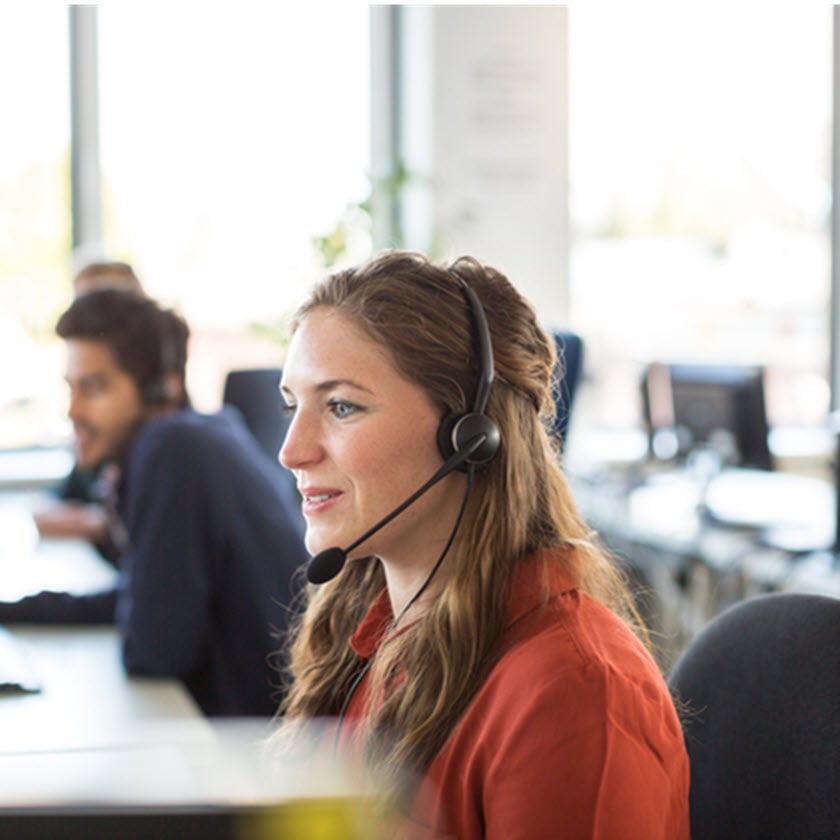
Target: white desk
<point x="97" y="739"/>
<point x="35" y="467"/>
<point x="86" y="728"/>
<point x="99" y="754"/>
<point x="29" y="564"/>
<point x="91" y="729"/>
<point x="86" y="700"/>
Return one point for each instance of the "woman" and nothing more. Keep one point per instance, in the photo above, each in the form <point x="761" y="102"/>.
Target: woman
<point x="480" y="641"/>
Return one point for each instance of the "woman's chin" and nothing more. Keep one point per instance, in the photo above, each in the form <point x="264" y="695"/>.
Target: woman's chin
<point x="316" y="543"/>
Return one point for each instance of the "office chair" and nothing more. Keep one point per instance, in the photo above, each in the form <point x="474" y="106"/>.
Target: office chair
<point x="569" y="367"/>
<point x="256" y="394"/>
<point x="762" y="728"/>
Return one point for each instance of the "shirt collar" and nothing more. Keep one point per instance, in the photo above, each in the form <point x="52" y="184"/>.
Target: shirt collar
<point x="536" y="579"/>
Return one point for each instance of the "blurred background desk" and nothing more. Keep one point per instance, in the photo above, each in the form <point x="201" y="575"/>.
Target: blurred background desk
<point x="29" y="564"/>
<point x="694" y="546"/>
<point x="35" y="467"/>
<point x="86" y="699"/>
<point x="82" y="731"/>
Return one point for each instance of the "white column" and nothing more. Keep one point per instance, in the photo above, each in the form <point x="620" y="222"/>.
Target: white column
<point x="483" y="131"/>
<point x="84" y="115"/>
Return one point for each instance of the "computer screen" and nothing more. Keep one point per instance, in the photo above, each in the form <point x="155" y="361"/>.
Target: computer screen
<point x="711" y="405"/>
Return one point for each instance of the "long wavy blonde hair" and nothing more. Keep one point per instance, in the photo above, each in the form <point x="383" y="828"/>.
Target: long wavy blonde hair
<point x="519" y="503"/>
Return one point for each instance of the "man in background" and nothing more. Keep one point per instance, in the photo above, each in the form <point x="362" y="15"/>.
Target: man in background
<point x="77" y="509"/>
<point x="210" y="528"/>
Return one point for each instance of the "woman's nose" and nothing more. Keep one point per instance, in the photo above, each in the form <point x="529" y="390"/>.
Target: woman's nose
<point x="301" y="446"/>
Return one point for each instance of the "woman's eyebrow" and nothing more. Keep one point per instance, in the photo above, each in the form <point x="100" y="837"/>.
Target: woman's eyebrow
<point x="330" y="384"/>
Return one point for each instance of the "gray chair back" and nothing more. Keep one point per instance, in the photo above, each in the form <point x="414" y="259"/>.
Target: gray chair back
<point x="762" y="687"/>
<point x="255" y="392"/>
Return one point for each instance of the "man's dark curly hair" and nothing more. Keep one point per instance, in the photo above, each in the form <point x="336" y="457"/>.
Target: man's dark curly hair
<point x="147" y="340"/>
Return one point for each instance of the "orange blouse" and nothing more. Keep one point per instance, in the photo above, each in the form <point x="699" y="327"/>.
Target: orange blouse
<point x="573" y="735"/>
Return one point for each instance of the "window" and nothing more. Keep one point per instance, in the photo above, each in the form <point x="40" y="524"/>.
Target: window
<point x="700" y="143"/>
<point x="230" y="138"/>
<point x="34" y="217"/>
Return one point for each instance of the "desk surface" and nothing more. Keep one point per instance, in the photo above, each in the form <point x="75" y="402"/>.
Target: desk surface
<point x="29" y="564"/>
<point x="97" y="739"/>
<point x="86" y="699"/>
<point x="35" y="467"/>
<point x="95" y="742"/>
<point x="92" y="733"/>
<point x="90" y="721"/>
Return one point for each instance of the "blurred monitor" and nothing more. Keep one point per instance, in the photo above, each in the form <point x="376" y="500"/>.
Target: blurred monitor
<point x="716" y="407"/>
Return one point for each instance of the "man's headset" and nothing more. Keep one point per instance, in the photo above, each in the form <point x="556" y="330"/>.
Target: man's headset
<point x="162" y="390"/>
<point x="464" y="440"/>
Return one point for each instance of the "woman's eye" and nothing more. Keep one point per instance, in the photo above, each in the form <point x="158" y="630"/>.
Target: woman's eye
<point x="342" y="409"/>
<point x="288" y="409"/>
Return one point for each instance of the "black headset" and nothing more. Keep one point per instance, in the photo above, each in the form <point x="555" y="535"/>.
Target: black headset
<point x="160" y="390"/>
<point x="457" y="431"/>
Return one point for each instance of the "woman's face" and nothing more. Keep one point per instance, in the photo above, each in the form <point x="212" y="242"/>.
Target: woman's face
<point x="361" y="441"/>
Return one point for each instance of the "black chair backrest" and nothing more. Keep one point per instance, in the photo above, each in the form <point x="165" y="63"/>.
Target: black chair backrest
<point x="256" y="394"/>
<point x="762" y="686"/>
<point x="569" y="366"/>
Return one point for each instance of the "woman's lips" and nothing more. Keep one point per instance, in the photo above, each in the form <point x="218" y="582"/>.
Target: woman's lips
<point x="318" y="499"/>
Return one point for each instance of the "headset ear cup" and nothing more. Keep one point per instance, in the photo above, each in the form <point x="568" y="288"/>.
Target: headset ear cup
<point x="472" y="425"/>
<point x="444" y="435"/>
<point x="155" y="393"/>
<point x="162" y="391"/>
<point x="457" y="430"/>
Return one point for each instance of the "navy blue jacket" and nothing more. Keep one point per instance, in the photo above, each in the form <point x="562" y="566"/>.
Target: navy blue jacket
<point x="214" y="538"/>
